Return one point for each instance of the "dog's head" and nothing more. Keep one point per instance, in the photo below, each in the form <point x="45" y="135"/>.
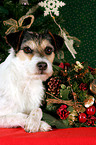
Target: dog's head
<point x="37" y="51"/>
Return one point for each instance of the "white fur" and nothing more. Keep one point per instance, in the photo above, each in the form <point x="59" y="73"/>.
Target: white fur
<point x="21" y="93"/>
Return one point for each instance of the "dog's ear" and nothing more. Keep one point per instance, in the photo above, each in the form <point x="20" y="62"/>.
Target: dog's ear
<point x="57" y="41"/>
<point x="15" y="39"/>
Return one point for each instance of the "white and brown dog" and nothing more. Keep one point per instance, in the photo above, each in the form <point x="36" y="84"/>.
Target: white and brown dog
<point x="21" y="75"/>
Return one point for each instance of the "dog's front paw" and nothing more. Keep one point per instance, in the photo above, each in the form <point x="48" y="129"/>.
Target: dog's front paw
<point x="44" y="126"/>
<point x="33" y="121"/>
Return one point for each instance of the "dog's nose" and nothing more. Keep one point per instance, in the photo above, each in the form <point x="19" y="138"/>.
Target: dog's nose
<point x="42" y="65"/>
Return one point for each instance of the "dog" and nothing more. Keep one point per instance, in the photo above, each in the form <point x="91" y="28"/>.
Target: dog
<point x="28" y="64"/>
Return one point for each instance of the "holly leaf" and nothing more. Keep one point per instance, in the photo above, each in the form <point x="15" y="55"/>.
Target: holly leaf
<point x="91" y="77"/>
<point x="70" y="109"/>
<point x="66" y="122"/>
<point x="51" y="107"/>
<point x="52" y="121"/>
<point x="64" y="94"/>
<point x="56" y="67"/>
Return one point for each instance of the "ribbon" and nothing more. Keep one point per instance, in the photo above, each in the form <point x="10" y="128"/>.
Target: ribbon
<point x="15" y="25"/>
<point x="69" y="41"/>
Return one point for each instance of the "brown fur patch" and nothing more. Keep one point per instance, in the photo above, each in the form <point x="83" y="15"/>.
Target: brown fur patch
<point x="51" y="57"/>
<point x="23" y="56"/>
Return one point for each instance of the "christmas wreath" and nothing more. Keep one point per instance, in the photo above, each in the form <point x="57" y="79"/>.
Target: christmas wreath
<point x="70" y="96"/>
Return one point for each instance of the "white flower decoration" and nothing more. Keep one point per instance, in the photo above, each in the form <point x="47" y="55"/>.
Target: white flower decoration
<point x="51" y="6"/>
<point x="78" y="66"/>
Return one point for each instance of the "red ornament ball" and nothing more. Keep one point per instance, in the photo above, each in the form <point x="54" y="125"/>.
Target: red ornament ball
<point x="91" y="110"/>
<point x="82" y="117"/>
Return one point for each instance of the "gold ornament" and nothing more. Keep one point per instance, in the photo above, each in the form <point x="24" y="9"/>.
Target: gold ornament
<point x="72" y="117"/>
<point x="15" y="25"/>
<point x="89" y="101"/>
<point x="93" y="87"/>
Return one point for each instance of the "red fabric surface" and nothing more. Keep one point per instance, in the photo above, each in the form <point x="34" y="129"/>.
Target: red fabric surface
<point x="70" y="136"/>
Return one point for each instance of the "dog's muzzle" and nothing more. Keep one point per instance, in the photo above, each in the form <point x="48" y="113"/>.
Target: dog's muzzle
<point x="42" y="66"/>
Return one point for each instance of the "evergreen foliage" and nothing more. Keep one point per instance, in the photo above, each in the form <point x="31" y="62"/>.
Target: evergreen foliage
<point x="75" y="99"/>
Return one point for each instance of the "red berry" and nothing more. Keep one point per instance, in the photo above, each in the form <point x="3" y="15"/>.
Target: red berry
<point x="82" y="117"/>
<point x="90" y="110"/>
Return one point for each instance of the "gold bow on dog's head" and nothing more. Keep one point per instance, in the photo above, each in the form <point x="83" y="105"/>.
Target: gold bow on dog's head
<point x="15" y="25"/>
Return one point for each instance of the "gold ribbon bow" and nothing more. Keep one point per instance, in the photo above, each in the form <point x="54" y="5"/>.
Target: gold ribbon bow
<point x="15" y="25"/>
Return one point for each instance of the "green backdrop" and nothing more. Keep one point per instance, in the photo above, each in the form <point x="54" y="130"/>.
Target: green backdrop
<point x="80" y="21"/>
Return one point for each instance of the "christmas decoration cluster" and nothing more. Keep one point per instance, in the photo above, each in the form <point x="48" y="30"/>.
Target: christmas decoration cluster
<point x="71" y="91"/>
<point x="70" y="96"/>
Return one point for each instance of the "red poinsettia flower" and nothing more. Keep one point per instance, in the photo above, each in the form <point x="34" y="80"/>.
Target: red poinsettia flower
<point x="83" y="86"/>
<point x="62" y="112"/>
<point x="61" y="65"/>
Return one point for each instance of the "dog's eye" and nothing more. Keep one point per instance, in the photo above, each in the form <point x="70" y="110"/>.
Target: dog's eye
<point x="48" y="50"/>
<point x="27" y="50"/>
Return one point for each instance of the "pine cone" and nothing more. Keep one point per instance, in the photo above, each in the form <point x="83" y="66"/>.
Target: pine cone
<point x="54" y="85"/>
